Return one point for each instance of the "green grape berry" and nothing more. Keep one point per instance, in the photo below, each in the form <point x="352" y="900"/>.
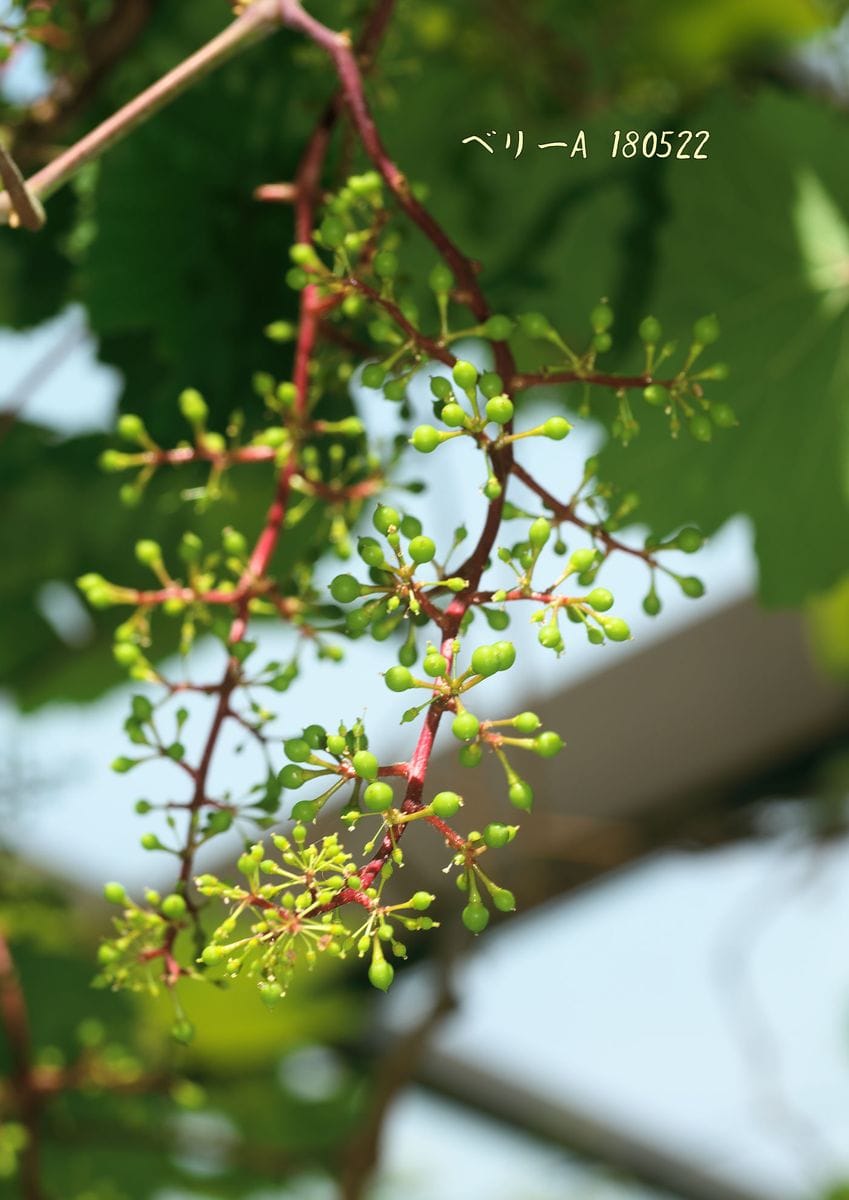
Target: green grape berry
<point x="485" y="660"/>
<point x="521" y="794"/>
<point x="386" y="264"/>
<point x="297" y="750"/>
<point x="689" y="540"/>
<point x="505" y="653"/>
<point x="465" y="375"/>
<point x="601" y="318"/>
<point x="723" y="416"/>
<point x="503" y="899"/>
<point x="550" y="637"/>
<point x="148" y="552"/>
<point x="600" y="600"/>
<point x="453" y="416"/>
<point x="700" y="428"/>
<point x="650" y="331"/>
<point x="425" y="439"/>
<point x="440" y="279"/>
<point x="398" y="679"/>
<point x="384" y="518"/>
<point x="692" y="586"/>
<point x="526" y="722"/>
<point x="500" y="410"/>
<point x="471" y="755"/>
<point x="465" y="726"/>
<point x="378" y="796"/>
<point x="193" y="406"/>
<point x="380" y="974"/>
<point x="546" y="745"/>
<point x="422" y="549"/>
<point x="435" y="665"/>
<point x="539" y="533"/>
<point x="651" y="604"/>
<point x="655" y="395"/>
<point x="616" y="629"/>
<point x="174" y="907"/>
<point x="421" y="901"/>
<point x="292" y="777"/>
<point x="411" y="526"/>
<point x="496" y="835"/>
<point x="556" y="428"/>
<point x="365" y="764"/>
<point x="446" y="805"/>
<point x="476" y="917"/>
<point x="345" y="589"/>
<point x="491" y="384"/>
<point x="370" y="551"/>
<point x="498" y="328"/>
<point x="441" y="387"/>
<point x="131" y="427"/>
<point x="373" y="376"/>
<point x="706" y="330"/>
<point x="115" y="893"/>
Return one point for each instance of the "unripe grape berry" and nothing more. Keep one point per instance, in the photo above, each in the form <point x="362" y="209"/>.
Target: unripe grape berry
<point x="465" y="375"/>
<point x="398" y="679"/>
<point x="476" y="917"/>
<point x="723" y="416"/>
<point x="601" y="318"/>
<point x="297" y="750"/>
<point x="689" y="540"/>
<point x="581" y="560"/>
<point x="539" y="533"/>
<point x="421" y="901"/>
<point x="492" y="488"/>
<point x="378" y="796"/>
<point x="365" y="764"/>
<point x="471" y="755"/>
<point x="503" y="899"/>
<point x="700" y="428"/>
<point x="556" y="428"/>
<point x="173" y="907"/>
<point x="546" y="745"/>
<point x="422" y="549"/>
<point x="521" y="794"/>
<point x="453" y="416"/>
<point x="505" y="653"/>
<point x="440" y="387"/>
<point x="213" y="955"/>
<point x="441" y="279"/>
<point x="395" y="390"/>
<point x="373" y="376"/>
<point x="380" y="974"/>
<point x="148" y="552"/>
<point x="495" y="835"/>
<point x="706" y="330"/>
<point x="425" y="439"/>
<point x="446" y="804"/>
<point x="345" y="589"/>
<point x="435" y="665"/>
<point x="370" y="551"/>
<point x="384" y="518"/>
<point x="485" y="660"/>
<point x="550" y="637"/>
<point x="332" y="231"/>
<point x="386" y="264"/>
<point x="465" y="726"/>
<point x="193" y="406"/>
<point x="526" y="722"/>
<point x="499" y="409"/>
<point x="130" y="427"/>
<point x="149" y="841"/>
<point x="616" y="629"/>
<point x="336" y="744"/>
<point x="600" y="599"/>
<point x="491" y="384"/>
<point x="655" y="394"/>
<point x="115" y="893"/>
<point x="650" y="331"/>
<point x="535" y="325"/>
<point x="411" y="526"/>
<point x="292" y="777"/>
<point x="692" y="587"/>
<point x="651" y="604"/>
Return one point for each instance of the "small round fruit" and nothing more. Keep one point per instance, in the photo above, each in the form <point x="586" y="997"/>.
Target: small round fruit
<point x="292" y="777"/>
<point x="380" y="974"/>
<point x="471" y="755"/>
<point x="421" y="901"/>
<point x="546" y="745"/>
<point x="485" y="660"/>
<point x="297" y="750"/>
<point x="651" y="604"/>
<point x="521" y="794"/>
<point x="453" y="416"/>
<point x="617" y="629"/>
<point x="692" y="586"/>
<point x="446" y="804"/>
<point x="174" y="907"/>
<point x="655" y="395"/>
<point x="526" y="722"/>
<point x="365" y="764"/>
<point x="706" y="330"/>
<point x="503" y="899"/>
<point x="600" y="599"/>
<point x="435" y="665"/>
<point x="398" y="679"/>
<point x="499" y="409"/>
<point x="505" y="653"/>
<point x="425" y="439"/>
<point x="465" y="375"/>
<point x="491" y="384"/>
<point x="465" y="726"/>
<point x="689" y="540"/>
<point x="115" y="893"/>
<point x="556" y="428"/>
<point x="498" y="328"/>
<point x="550" y="637"/>
<point x="378" y="796"/>
<point x="422" y="549"/>
<point x="373" y="376"/>
<point x="539" y="533"/>
<point x="476" y="916"/>
<point x="650" y="331"/>
<point x="384" y="518"/>
<point x="496" y="835"/>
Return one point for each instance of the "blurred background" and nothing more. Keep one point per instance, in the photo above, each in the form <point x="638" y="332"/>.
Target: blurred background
<point x="668" y="1013"/>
